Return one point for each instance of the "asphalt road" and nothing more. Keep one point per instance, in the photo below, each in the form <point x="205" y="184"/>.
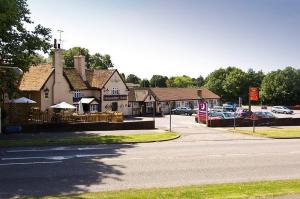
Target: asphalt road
<point x="200" y="156"/>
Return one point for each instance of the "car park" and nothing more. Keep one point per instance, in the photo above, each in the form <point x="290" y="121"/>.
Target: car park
<point x="282" y="109"/>
<point x="182" y="111"/>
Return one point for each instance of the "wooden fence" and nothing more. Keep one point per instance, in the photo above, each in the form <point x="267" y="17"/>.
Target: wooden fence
<point x="66" y="117"/>
<point x="31" y="115"/>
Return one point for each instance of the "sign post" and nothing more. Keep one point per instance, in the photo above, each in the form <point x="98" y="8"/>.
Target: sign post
<point x="253" y="95"/>
<point x="170" y="129"/>
<point x="234" y="121"/>
<point x="253" y="118"/>
<point x="203" y="111"/>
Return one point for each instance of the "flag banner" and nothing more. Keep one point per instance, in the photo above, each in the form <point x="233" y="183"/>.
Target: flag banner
<point x="202" y="110"/>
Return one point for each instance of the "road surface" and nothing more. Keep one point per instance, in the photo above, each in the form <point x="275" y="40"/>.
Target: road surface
<point x="201" y="155"/>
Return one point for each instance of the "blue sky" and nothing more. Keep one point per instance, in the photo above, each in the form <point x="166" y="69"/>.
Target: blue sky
<point x="172" y="37"/>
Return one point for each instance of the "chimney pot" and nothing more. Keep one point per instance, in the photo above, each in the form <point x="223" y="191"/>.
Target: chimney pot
<point x="55" y="44"/>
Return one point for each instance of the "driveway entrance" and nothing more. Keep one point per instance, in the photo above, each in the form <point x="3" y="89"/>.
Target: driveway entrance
<point x="192" y="131"/>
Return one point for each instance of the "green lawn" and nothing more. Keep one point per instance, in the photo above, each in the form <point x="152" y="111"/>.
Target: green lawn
<point x="273" y="133"/>
<point x="219" y="191"/>
<point x="92" y="139"/>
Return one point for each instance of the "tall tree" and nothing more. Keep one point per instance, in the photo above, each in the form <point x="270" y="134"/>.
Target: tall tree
<point x="96" y="61"/>
<point x="215" y="80"/>
<point x="37" y="59"/>
<point x="199" y="81"/>
<point x="158" y="81"/>
<point x="99" y="61"/>
<point x="235" y="85"/>
<point x="229" y="83"/>
<point x="107" y="63"/>
<point x="131" y="78"/>
<point x="145" y="83"/>
<point x="281" y="87"/>
<point x="181" y="81"/>
<point x="255" y="78"/>
<point x="17" y="44"/>
<point x="70" y="53"/>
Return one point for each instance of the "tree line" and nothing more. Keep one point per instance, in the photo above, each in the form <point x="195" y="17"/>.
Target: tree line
<point x="279" y="87"/>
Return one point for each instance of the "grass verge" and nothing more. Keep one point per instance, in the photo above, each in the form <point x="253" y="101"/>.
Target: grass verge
<point x="273" y="133"/>
<point x="92" y="139"/>
<point x="219" y="191"/>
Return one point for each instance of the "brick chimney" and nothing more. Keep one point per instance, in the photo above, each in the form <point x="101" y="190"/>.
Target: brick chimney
<point x="199" y="93"/>
<point x="80" y="65"/>
<point x="58" y="75"/>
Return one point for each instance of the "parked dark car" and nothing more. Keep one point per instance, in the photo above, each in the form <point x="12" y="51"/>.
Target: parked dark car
<point x="264" y="114"/>
<point x="182" y="111"/>
<point x="244" y="113"/>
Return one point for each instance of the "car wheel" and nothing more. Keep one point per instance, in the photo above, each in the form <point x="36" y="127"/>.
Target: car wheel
<point x="284" y="112"/>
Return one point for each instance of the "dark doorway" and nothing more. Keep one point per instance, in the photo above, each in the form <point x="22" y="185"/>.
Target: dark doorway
<point x="86" y="108"/>
<point x="114" y="106"/>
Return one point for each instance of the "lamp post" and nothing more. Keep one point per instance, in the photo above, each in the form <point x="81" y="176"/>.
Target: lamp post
<point x="18" y="72"/>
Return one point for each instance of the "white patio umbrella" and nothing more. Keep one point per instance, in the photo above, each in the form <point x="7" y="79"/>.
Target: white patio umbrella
<point x="23" y="100"/>
<point x="63" y="105"/>
<point x="80" y="108"/>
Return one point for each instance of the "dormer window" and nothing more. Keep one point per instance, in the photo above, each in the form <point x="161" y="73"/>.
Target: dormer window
<point x="115" y="91"/>
<point x="77" y="94"/>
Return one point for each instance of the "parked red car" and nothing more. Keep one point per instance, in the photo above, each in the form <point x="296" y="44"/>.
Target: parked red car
<point x="211" y="116"/>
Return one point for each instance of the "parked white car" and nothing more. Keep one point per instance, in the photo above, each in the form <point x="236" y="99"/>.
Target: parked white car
<point x="282" y="109"/>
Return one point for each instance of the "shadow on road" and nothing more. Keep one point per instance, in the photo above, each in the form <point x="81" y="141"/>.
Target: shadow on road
<point x="72" y="175"/>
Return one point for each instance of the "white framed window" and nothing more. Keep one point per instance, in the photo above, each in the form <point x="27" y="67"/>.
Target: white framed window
<point x="94" y="108"/>
<point x="46" y="95"/>
<point x="115" y="91"/>
<point x="77" y="94"/>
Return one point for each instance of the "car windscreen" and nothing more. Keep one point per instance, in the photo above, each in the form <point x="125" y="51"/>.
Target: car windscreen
<point x="228" y="114"/>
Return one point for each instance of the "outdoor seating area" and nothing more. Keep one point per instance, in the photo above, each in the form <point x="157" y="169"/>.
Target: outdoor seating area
<point x="28" y="114"/>
<point x="69" y="117"/>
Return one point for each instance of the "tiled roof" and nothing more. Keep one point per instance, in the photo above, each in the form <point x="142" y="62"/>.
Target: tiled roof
<point x="137" y="94"/>
<point x="181" y="94"/>
<point x="98" y="78"/>
<point x="74" y="79"/>
<point x="35" y="77"/>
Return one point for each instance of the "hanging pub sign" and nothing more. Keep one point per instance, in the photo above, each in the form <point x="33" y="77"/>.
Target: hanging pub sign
<point x="253" y="94"/>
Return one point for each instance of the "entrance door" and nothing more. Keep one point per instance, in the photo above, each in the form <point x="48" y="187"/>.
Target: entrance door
<point x="114" y="106"/>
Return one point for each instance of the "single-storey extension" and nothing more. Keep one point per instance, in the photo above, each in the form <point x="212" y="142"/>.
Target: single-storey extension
<point x="142" y="100"/>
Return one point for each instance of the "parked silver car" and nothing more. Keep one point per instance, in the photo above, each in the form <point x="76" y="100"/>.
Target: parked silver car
<point x="282" y="109"/>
